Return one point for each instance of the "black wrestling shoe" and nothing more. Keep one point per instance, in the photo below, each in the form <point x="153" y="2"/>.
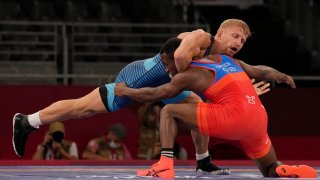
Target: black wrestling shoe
<point x="206" y="167"/>
<point x="21" y="131"/>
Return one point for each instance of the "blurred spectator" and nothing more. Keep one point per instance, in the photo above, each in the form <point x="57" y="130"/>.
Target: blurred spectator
<point x="110" y="146"/>
<point x="55" y="146"/>
<point x="149" y="140"/>
<point x="149" y="116"/>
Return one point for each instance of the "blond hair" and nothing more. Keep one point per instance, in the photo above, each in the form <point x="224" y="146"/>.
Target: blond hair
<point x="236" y="22"/>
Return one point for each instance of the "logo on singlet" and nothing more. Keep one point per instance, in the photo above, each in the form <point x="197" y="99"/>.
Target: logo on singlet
<point x="227" y="67"/>
<point x="251" y="99"/>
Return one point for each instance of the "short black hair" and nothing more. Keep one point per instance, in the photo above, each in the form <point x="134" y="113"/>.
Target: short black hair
<point x="170" y="46"/>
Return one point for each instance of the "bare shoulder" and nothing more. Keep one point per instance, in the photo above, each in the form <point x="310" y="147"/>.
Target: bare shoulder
<point x="193" y="74"/>
<point x="199" y="78"/>
<point x="187" y="76"/>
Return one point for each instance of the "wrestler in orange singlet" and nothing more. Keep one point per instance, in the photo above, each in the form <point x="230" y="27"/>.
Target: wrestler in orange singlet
<point x="233" y="111"/>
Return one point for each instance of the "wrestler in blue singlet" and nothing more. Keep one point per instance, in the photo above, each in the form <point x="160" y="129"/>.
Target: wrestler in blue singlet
<point x="138" y="74"/>
<point x="149" y="72"/>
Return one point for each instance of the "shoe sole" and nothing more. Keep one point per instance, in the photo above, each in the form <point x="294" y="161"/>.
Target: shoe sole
<point x="148" y="173"/>
<point x="13" y="123"/>
<point x="217" y="172"/>
<point x="301" y="171"/>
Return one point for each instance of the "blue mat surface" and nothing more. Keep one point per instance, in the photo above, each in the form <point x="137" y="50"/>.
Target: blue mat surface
<point x="115" y="172"/>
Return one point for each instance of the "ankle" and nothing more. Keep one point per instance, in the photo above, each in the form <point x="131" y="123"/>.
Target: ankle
<point x="167" y="152"/>
<point x="204" y="161"/>
<point x="202" y="156"/>
<point x="34" y="120"/>
<point x="272" y="169"/>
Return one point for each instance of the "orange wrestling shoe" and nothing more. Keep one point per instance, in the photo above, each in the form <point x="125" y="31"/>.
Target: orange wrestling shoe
<point x="163" y="169"/>
<point x="296" y="171"/>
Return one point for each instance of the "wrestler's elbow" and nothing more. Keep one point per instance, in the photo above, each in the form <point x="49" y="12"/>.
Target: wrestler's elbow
<point x="201" y="32"/>
<point x="203" y="36"/>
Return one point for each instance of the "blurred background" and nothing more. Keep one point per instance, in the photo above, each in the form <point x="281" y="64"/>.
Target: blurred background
<point x="62" y="49"/>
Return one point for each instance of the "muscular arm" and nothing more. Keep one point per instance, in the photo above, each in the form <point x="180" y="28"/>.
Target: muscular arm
<point x="171" y="89"/>
<point x="262" y="72"/>
<point x="191" y="45"/>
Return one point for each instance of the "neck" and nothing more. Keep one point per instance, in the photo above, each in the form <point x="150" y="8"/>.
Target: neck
<point x="215" y="47"/>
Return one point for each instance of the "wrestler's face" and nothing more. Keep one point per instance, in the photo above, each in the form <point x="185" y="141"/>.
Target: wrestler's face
<point x="169" y="64"/>
<point x="230" y="39"/>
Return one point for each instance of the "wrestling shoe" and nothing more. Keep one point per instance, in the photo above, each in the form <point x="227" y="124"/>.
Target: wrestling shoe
<point x="296" y="171"/>
<point x="205" y="166"/>
<point x="163" y="169"/>
<point x="21" y="131"/>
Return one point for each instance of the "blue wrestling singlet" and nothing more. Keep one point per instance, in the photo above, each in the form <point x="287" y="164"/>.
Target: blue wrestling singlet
<point x="149" y="72"/>
<point x="138" y="74"/>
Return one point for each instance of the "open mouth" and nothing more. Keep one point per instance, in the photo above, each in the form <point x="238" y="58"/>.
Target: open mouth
<point x="234" y="49"/>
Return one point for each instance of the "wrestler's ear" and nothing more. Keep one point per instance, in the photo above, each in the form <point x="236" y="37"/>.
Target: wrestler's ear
<point x="219" y="33"/>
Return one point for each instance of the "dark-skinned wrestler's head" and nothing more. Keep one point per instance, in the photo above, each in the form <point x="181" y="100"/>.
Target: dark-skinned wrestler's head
<point x="167" y="55"/>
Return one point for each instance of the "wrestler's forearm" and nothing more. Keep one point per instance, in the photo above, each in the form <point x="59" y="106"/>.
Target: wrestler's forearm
<point x="259" y="72"/>
<point x="269" y="73"/>
<point x="141" y="95"/>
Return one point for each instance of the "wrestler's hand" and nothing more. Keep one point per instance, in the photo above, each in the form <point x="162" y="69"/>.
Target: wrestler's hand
<point x="120" y="88"/>
<point x="261" y="87"/>
<point x="288" y="80"/>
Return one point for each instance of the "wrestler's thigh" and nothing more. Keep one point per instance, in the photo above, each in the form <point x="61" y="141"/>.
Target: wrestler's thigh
<point x="92" y="101"/>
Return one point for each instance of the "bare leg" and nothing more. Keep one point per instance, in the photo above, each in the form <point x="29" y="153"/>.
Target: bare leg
<point x="200" y="141"/>
<point x="58" y="111"/>
<point x="174" y="116"/>
<point x="73" y="108"/>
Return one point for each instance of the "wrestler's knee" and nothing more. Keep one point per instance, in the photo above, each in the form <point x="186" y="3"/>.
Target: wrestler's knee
<point x="167" y="110"/>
